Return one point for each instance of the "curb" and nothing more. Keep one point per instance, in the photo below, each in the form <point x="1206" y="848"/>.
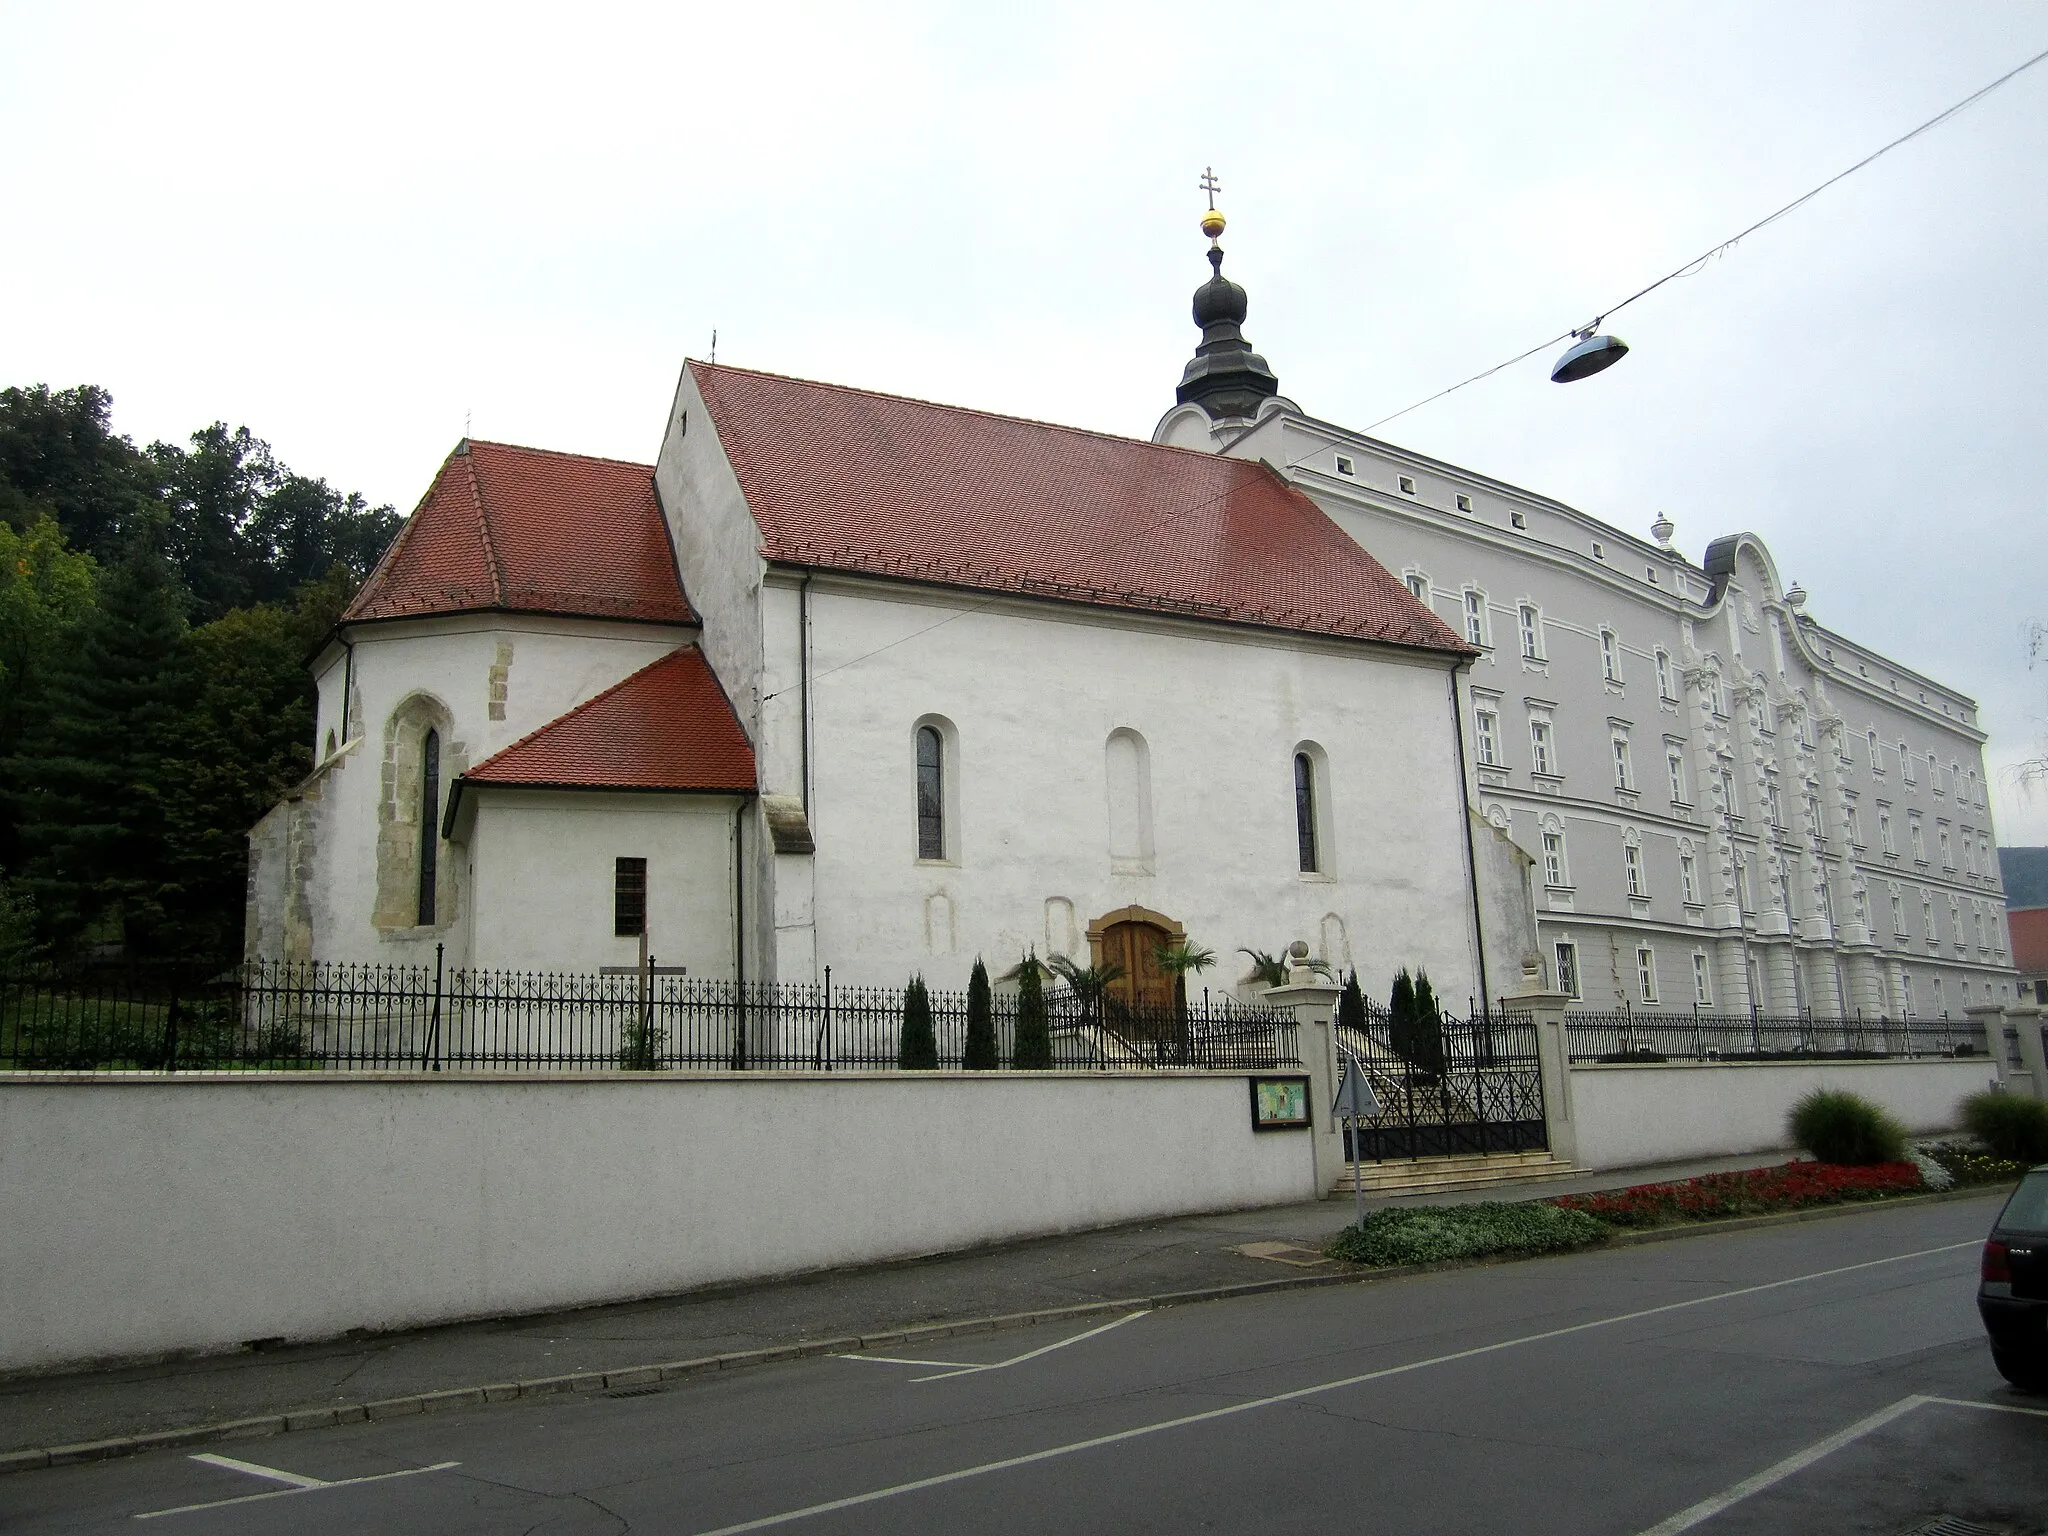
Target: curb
<point x="629" y="1377"/>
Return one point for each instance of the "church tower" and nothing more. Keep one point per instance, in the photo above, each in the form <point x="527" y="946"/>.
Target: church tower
<point x="1225" y="377"/>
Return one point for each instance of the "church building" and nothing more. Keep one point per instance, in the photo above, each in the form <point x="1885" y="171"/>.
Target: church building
<point x="850" y="680"/>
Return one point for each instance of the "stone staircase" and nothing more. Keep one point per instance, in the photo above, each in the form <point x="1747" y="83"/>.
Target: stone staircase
<point x="1437" y="1175"/>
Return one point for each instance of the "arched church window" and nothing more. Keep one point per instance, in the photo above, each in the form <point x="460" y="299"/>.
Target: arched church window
<point x="1305" y="813"/>
<point x="430" y="822"/>
<point x="931" y="793"/>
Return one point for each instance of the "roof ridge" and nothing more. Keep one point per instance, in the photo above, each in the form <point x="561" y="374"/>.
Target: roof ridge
<point x="576" y="709"/>
<point x="968" y="410"/>
<point x="483" y="527"/>
<point x="558" y="453"/>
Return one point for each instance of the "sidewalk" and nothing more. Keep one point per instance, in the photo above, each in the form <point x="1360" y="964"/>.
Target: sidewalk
<point x="1149" y="1259"/>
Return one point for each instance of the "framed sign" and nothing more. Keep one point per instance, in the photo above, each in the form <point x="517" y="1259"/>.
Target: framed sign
<point x="1280" y="1103"/>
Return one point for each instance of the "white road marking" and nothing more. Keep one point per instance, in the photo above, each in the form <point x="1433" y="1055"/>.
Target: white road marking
<point x="951" y="1368"/>
<point x="788" y="1517"/>
<point x="310" y="1485"/>
<point x="1965" y="1402"/>
<point x="1798" y="1461"/>
<point x="253" y="1470"/>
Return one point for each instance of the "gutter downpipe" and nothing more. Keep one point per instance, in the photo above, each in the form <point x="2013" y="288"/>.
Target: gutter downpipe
<point x="803" y="664"/>
<point x="1471" y="856"/>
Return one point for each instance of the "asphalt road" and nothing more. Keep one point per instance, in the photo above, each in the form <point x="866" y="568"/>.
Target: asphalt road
<point x="1826" y="1377"/>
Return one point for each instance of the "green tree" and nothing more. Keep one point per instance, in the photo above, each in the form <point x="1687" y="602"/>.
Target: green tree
<point x="980" y="1053"/>
<point x="1033" y="1049"/>
<point x="46" y="589"/>
<point x="88" y="780"/>
<point x="60" y="458"/>
<point x="17" y="922"/>
<point x="919" y="1048"/>
<point x="1351" y="1014"/>
<point x="1421" y="1042"/>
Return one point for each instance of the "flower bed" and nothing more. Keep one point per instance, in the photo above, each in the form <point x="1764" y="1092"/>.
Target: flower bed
<point x="1751" y="1192"/>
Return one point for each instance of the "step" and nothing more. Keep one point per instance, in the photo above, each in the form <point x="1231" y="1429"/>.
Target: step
<point x="1429" y="1175"/>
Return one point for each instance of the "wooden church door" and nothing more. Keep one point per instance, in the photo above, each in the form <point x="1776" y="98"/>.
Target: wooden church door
<point x="1135" y="946"/>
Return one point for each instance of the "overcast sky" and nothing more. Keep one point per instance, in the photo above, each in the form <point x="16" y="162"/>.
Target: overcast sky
<point x="356" y="228"/>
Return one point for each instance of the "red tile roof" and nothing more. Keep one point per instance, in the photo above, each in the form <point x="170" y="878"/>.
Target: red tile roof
<point x="668" y="726"/>
<point x="533" y="532"/>
<point x="846" y="479"/>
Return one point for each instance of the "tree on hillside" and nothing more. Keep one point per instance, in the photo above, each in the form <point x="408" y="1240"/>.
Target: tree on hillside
<point x="87" y="780"/>
<point x="45" y="589"/>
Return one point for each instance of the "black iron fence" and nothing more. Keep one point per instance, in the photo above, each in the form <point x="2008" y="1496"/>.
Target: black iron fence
<point x="1653" y="1037"/>
<point x="1450" y="1087"/>
<point x="329" y="1017"/>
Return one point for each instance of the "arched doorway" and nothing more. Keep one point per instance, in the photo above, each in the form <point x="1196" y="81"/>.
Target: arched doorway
<point x="1130" y="938"/>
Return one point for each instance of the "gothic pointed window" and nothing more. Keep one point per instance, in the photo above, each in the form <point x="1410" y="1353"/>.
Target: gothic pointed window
<point x="931" y="793"/>
<point x="430" y="819"/>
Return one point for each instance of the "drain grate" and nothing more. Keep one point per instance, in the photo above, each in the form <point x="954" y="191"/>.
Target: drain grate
<point x="650" y="1391"/>
<point x="1951" y="1525"/>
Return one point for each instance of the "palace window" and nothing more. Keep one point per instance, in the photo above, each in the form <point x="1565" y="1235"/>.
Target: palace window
<point x="1532" y="631"/>
<point x="1674" y="764"/>
<point x="1646" y="973"/>
<point x="430" y="825"/>
<point x="1568" y="969"/>
<point x="1773" y="806"/>
<point x="1906" y="764"/>
<point x="1555" y="871"/>
<point x="1475" y="616"/>
<point x="1702" y="981"/>
<point x="1624" y="776"/>
<point x="1876" y="753"/>
<point x="1884" y="828"/>
<point x="1917" y="836"/>
<point x="1664" y="688"/>
<point x="1689" y="878"/>
<point x="1927" y="919"/>
<point x="1855" y="827"/>
<point x="1418" y="584"/>
<point x="1488" y="733"/>
<point x="629" y="898"/>
<point x="1898" y="913"/>
<point x="1948" y="853"/>
<point x="1540" y="758"/>
<point x="931" y="793"/>
<point x="1632" y="860"/>
<point x="1610" y="656"/>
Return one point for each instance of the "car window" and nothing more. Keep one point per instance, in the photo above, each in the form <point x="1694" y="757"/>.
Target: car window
<point x="2027" y="1210"/>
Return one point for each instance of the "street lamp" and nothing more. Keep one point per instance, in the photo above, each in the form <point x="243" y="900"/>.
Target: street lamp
<point x="1588" y="355"/>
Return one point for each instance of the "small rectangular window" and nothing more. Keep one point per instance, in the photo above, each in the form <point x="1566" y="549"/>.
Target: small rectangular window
<point x="1650" y="574"/>
<point x="1599" y="550"/>
<point x="629" y="897"/>
<point x="1407" y="485"/>
<point x="1345" y="466"/>
<point x="1519" y="520"/>
<point x="1464" y="502"/>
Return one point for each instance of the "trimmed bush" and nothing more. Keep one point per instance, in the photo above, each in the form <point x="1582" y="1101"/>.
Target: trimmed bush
<point x="980" y="1055"/>
<point x="919" y="1050"/>
<point x="1429" y="1234"/>
<point x="1839" y="1127"/>
<point x="1415" y="1026"/>
<point x="1748" y="1192"/>
<point x="1351" y="1006"/>
<point x="2014" y="1128"/>
<point x="1033" y="1051"/>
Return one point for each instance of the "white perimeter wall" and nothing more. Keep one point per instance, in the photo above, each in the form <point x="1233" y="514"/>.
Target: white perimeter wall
<point x="151" y="1215"/>
<point x="1637" y="1115"/>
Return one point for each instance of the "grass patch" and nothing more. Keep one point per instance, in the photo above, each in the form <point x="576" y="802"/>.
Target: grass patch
<point x="1839" y="1127"/>
<point x="1429" y="1234"/>
<point x="2013" y="1128"/>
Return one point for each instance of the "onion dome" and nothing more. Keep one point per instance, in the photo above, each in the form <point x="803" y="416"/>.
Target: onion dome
<point x="1225" y="376"/>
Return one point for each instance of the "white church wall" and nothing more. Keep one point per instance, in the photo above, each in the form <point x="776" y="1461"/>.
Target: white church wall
<point x="717" y="545"/>
<point x="448" y="666"/>
<point x="541" y="879"/>
<point x="1033" y="695"/>
<point x="196" y="1213"/>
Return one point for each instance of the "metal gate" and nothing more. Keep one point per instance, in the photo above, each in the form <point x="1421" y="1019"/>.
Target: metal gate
<point x="1472" y="1085"/>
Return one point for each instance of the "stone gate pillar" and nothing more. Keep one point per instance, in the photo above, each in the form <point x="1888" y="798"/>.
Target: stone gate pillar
<point x="1553" y="1052"/>
<point x="1313" y="1002"/>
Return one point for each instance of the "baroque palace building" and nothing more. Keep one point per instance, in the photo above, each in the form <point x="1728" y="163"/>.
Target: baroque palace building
<point x="1726" y="805"/>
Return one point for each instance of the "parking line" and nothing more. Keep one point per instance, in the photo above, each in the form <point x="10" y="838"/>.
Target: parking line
<point x="254" y="1470"/>
<point x="951" y="1368"/>
<point x="1798" y="1461"/>
<point x="313" y="1486"/>
<point x="939" y="1480"/>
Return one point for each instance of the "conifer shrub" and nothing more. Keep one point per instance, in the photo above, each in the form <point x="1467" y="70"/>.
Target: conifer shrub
<point x="1840" y="1127"/>
<point x="919" y="1049"/>
<point x="980" y="1055"/>
<point x="2014" y="1128"/>
<point x="1033" y="1050"/>
<point x="1415" y="1026"/>
<point x="1351" y="1006"/>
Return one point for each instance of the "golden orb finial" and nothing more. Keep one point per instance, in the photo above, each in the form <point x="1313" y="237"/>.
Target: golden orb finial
<point x="1212" y="223"/>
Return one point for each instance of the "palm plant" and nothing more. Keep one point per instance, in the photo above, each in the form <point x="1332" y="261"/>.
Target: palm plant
<point x="1178" y="959"/>
<point x="1089" y="982"/>
<point x="1267" y="970"/>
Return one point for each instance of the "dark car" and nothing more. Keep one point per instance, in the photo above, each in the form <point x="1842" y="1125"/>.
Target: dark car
<point x="2012" y="1296"/>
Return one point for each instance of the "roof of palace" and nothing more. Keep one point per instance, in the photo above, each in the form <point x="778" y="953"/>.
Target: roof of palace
<point x="525" y="530"/>
<point x="668" y="726"/>
<point x="850" y="480"/>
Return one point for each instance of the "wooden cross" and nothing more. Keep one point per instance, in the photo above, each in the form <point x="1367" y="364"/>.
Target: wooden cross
<point x="1211" y="185"/>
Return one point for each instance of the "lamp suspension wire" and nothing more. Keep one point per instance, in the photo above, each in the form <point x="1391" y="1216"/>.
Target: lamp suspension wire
<point x="1542" y="346"/>
<point x="1733" y="240"/>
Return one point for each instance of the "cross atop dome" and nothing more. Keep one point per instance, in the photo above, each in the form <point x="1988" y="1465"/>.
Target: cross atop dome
<point x="1225" y="376"/>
